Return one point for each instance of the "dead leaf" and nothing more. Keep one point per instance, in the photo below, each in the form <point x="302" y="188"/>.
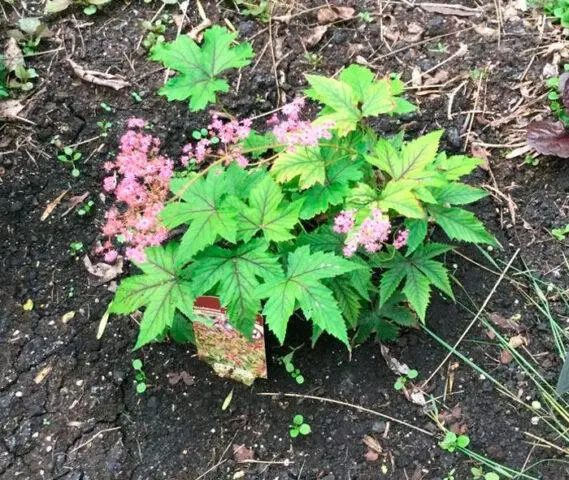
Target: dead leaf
<point x="13" y="56"/>
<point x="41" y="375"/>
<point x="372" y="444"/>
<point x="415" y="395"/>
<point x="175" y="377"/>
<point x="241" y="453"/>
<point x="415" y="32"/>
<point x="518" y="341"/>
<point x="506" y="324"/>
<point x="196" y="32"/>
<point x="103" y="272"/>
<point x="440" y="77"/>
<point x="103" y="79"/>
<point x="485" y="31"/>
<point x="481" y="153"/>
<point x="445" y="9"/>
<point x="394" y="365"/>
<point x="506" y="357"/>
<point x="51" y="206"/>
<point x="10" y="109"/>
<point x="334" y="13"/>
<point x="316" y="35"/>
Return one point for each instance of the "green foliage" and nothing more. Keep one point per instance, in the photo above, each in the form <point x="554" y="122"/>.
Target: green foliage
<point x="162" y="289"/>
<point x="261" y="238"/>
<point x="199" y="68"/>
<point x="355" y="96"/>
<point x="139" y="376"/>
<point x="478" y="474"/>
<point x="29" y="33"/>
<point x="560" y="233"/>
<point x="259" y="9"/>
<point x="299" y="427"/>
<point x="401" y="381"/>
<point x="452" y="441"/>
<point x="294" y="372"/>
<point x="559" y="9"/>
<point x="3" y="77"/>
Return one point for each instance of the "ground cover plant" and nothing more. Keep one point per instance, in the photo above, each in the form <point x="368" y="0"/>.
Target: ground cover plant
<point x="299" y="218"/>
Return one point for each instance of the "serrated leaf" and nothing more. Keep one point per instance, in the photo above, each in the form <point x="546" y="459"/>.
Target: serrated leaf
<point x="233" y="275"/>
<point x="398" y="196"/>
<point x="267" y="212"/>
<point x="181" y="330"/>
<point x="378" y="99"/>
<point x="456" y="166"/>
<point x="417" y="233"/>
<point x="319" y="198"/>
<point x="390" y="280"/>
<point x="416" y="155"/>
<point x="306" y="163"/>
<point x="418" y="291"/>
<point x="302" y="283"/>
<point x="340" y="98"/>
<point x="461" y="224"/>
<point x="199" y="67"/>
<point x="204" y="209"/>
<point x="458" y="194"/>
<point x="240" y="181"/>
<point x="161" y="289"/>
<point x="348" y="299"/>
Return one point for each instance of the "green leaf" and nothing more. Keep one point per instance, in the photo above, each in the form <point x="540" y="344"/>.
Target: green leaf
<point x="298" y="420"/>
<point x="398" y="196"/>
<point x="456" y="166"/>
<point x="417" y="155"/>
<point x="240" y="181"/>
<point x="348" y="299"/>
<point x="305" y="429"/>
<point x="161" y="289"/>
<point x="306" y="163"/>
<point x="458" y="194"/>
<point x="204" y="209"/>
<point x="417" y="233"/>
<point x="199" y="67"/>
<point x="461" y="224"/>
<point x="181" y="330"/>
<point x="302" y="283"/>
<point x="55" y="6"/>
<point x="320" y="197"/>
<point x="267" y="212"/>
<point x="341" y="100"/>
<point x="233" y="275"/>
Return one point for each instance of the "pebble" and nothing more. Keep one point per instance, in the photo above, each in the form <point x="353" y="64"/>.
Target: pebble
<point x="339" y="37"/>
<point x="16" y="206"/>
<point x="378" y="427"/>
<point x="436" y="25"/>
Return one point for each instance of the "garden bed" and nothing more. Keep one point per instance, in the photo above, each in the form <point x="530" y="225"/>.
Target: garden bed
<point x="68" y="406"/>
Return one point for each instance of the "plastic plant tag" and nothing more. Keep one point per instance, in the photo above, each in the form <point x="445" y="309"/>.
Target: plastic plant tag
<point x="230" y="353"/>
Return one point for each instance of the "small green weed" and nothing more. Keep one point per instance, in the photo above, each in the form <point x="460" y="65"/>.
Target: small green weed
<point x="290" y="368"/>
<point x="402" y="381"/>
<point x="104" y="128"/>
<point x="440" y="47"/>
<point x="75" y="248"/>
<point x="155" y="30"/>
<point x="70" y="156"/>
<point x="555" y="97"/>
<point x="86" y="208"/>
<point x="259" y="9"/>
<point x="140" y="376"/>
<point x="106" y="107"/>
<point x="299" y="427"/>
<point x="452" y="441"/>
<point x="559" y="10"/>
<point x="560" y="233"/>
<point x="365" y="16"/>
<point x="478" y="474"/>
<point x="29" y="34"/>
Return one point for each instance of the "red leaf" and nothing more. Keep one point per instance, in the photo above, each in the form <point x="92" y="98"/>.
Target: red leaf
<point x="549" y="138"/>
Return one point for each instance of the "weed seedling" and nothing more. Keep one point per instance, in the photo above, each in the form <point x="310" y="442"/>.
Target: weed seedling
<point x="136" y="97"/>
<point x="478" y="474"/>
<point x="450" y="475"/>
<point x="104" y="128"/>
<point x="559" y="10"/>
<point x="560" y="233"/>
<point x="365" y="16"/>
<point x="155" y="31"/>
<point x="140" y="376"/>
<point x="106" y="107"/>
<point x="554" y="96"/>
<point x="402" y="381"/>
<point x="86" y="208"/>
<point x="290" y="368"/>
<point x="439" y="48"/>
<point x="258" y="9"/>
<point x="23" y="78"/>
<point x="529" y="159"/>
<point x="71" y="157"/>
<point x="75" y="248"/>
<point x="29" y="34"/>
<point x="3" y="75"/>
<point x="314" y="59"/>
<point x="452" y="441"/>
<point x="298" y="427"/>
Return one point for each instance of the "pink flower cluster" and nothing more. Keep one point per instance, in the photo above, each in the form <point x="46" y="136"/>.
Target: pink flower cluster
<point x="292" y="131"/>
<point x="139" y="178"/>
<point x="228" y="135"/>
<point x="372" y="234"/>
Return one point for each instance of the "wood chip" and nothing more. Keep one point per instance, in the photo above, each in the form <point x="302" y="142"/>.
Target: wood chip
<point x="51" y="206"/>
<point x="446" y="9"/>
<point x="40" y="377"/>
<point x="103" y="79"/>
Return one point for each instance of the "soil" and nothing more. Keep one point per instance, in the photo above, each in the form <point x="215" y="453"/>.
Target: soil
<point x="68" y="407"/>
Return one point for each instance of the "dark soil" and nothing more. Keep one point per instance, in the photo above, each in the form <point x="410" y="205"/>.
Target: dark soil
<point x="68" y="408"/>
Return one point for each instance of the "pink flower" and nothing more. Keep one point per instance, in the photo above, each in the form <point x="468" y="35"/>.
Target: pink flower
<point x="136" y="123"/>
<point x="111" y="256"/>
<point x="401" y="239"/>
<point x="344" y="221"/>
<point x="110" y="183"/>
